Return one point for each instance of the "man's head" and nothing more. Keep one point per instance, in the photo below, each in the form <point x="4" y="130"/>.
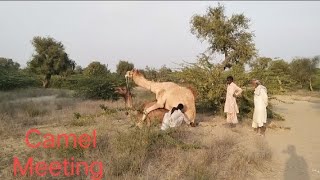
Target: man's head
<point x="255" y="83"/>
<point x="229" y="79"/>
<point x="180" y="106"/>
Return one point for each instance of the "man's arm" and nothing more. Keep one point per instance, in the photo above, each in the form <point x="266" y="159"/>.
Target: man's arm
<point x="185" y="118"/>
<point x="238" y="90"/>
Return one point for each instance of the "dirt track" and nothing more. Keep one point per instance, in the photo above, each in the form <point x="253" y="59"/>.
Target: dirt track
<point x="297" y="151"/>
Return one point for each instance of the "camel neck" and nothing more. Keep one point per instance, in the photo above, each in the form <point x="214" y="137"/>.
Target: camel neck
<point x="143" y="82"/>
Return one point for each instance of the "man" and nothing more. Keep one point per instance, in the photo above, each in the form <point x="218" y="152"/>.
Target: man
<point x="260" y="107"/>
<point x="230" y="106"/>
<point x="174" y="118"/>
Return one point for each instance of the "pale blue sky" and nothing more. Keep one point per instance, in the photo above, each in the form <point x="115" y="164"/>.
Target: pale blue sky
<point x="151" y="33"/>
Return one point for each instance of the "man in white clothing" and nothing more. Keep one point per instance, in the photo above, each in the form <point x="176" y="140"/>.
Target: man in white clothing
<point x="174" y="118"/>
<point x="260" y="107"/>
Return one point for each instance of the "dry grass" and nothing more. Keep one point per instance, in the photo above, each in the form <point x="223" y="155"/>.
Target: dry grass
<point x="128" y="152"/>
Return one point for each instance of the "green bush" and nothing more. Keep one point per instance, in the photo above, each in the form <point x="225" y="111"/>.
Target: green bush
<point x="90" y="87"/>
<point x="10" y="81"/>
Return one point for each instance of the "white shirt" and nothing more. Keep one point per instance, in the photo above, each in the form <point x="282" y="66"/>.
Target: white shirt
<point x="173" y="120"/>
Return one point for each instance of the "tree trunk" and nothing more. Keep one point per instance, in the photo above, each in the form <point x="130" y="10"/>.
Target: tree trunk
<point x="46" y="81"/>
<point x="280" y="84"/>
<point x="310" y="84"/>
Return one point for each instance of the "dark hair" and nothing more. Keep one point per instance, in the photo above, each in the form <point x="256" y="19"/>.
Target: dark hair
<point x="180" y="107"/>
<point x="230" y="78"/>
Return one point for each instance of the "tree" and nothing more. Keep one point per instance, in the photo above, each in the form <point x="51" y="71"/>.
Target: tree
<point x="164" y="74"/>
<point x="123" y="67"/>
<point x="8" y="65"/>
<point x="303" y="70"/>
<point x="229" y="36"/>
<point x="95" y="68"/>
<point x="49" y="59"/>
<point x="78" y="70"/>
<point x="150" y="73"/>
<point x="280" y="70"/>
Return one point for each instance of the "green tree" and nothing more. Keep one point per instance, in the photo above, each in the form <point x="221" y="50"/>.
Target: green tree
<point x="229" y="36"/>
<point x="95" y="68"/>
<point x="280" y="69"/>
<point x="304" y="70"/>
<point x="164" y="74"/>
<point x="78" y="70"/>
<point x="208" y="79"/>
<point x="8" y="65"/>
<point x="123" y="67"/>
<point x="49" y="59"/>
<point x="150" y="73"/>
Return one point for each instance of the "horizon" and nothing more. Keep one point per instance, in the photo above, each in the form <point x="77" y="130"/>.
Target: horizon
<point x="151" y="33"/>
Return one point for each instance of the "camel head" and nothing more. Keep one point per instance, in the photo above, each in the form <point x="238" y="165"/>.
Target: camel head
<point x="132" y="73"/>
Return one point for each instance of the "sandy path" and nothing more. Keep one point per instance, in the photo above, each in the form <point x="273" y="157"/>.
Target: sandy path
<point x="297" y="151"/>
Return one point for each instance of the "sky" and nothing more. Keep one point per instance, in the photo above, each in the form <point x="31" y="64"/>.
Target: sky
<point x="151" y="33"/>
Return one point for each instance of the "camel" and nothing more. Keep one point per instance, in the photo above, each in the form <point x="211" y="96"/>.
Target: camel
<point x="168" y="95"/>
<point x="154" y="115"/>
<point x="126" y="95"/>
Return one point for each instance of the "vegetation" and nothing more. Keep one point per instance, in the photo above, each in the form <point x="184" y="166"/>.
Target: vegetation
<point x="304" y="70"/>
<point x="147" y="153"/>
<point x="126" y="152"/>
<point x="123" y="67"/>
<point x="95" y="68"/>
<point x="49" y="59"/>
<point x="227" y="35"/>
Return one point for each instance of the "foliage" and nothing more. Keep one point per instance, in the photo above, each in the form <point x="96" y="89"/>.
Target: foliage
<point x="11" y="77"/>
<point x="49" y="59"/>
<point x="10" y="81"/>
<point x="226" y="35"/>
<point x="78" y="69"/>
<point x="90" y="87"/>
<point x="123" y="67"/>
<point x="317" y="80"/>
<point x="95" y="68"/>
<point x="208" y="79"/>
<point x="274" y="74"/>
<point x="163" y="74"/>
<point x="8" y="65"/>
<point x="304" y="70"/>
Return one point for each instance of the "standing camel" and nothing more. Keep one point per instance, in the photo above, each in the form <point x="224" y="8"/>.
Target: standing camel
<point x="168" y="95"/>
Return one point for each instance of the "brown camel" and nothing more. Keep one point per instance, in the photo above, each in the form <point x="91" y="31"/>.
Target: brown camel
<point x="126" y="95"/>
<point x="154" y="115"/>
<point x="168" y="95"/>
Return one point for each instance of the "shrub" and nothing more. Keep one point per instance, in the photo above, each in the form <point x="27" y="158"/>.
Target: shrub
<point x="89" y="87"/>
<point x="10" y="81"/>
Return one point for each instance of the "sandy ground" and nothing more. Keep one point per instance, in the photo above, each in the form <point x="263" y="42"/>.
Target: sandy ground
<point x="297" y="151"/>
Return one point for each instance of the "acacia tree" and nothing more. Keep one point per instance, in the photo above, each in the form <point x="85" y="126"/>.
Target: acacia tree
<point x="123" y="67"/>
<point x="229" y="36"/>
<point x="303" y="70"/>
<point x="49" y="59"/>
<point x="95" y="68"/>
